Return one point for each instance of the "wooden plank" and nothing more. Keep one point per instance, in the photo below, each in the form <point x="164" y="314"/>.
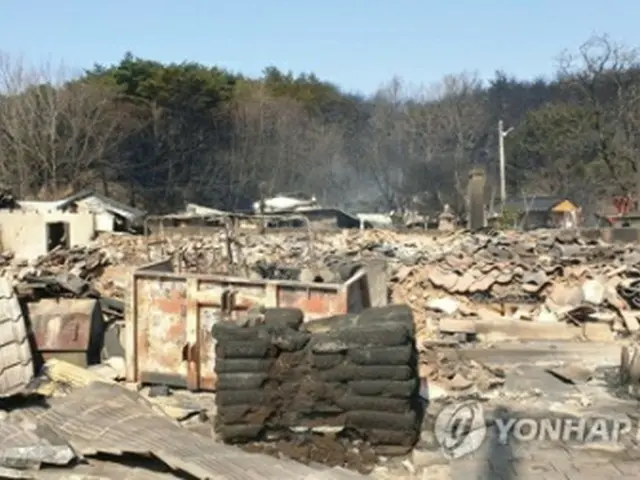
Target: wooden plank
<point x="457" y="325"/>
<point x="522" y="330"/>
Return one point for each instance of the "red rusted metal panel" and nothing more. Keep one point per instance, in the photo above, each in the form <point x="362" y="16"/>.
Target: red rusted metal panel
<point x="66" y="326"/>
<point x="170" y="316"/>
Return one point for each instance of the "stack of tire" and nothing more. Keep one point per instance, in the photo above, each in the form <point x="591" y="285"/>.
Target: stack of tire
<point x="353" y="373"/>
<point x="374" y="357"/>
<point x="247" y="380"/>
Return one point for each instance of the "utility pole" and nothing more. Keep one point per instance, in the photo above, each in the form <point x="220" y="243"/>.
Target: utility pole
<point x="502" y="133"/>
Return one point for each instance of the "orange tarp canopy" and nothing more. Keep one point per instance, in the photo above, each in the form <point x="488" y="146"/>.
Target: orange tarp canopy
<point x="564" y="206"/>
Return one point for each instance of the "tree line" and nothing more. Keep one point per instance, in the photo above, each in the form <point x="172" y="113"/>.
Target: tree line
<point x="159" y="135"/>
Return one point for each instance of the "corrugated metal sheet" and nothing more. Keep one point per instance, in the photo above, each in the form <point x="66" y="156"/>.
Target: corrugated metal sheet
<point x="28" y="445"/>
<point x="194" y="208"/>
<point x="106" y="418"/>
<point x="97" y="202"/>
<point x="16" y="359"/>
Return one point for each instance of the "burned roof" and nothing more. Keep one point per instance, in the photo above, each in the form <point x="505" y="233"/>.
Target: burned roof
<point x="115" y="206"/>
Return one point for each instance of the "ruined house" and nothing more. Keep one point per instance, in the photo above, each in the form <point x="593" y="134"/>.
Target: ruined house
<point x="33" y="228"/>
<point x="110" y="215"/>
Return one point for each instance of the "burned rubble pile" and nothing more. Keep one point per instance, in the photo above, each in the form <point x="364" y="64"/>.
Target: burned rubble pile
<point x="547" y="277"/>
<point x="69" y="284"/>
<point x="321" y="390"/>
<point x="67" y="273"/>
<point x="543" y="276"/>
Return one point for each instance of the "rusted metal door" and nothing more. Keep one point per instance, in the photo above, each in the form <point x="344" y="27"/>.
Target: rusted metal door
<point x="207" y="304"/>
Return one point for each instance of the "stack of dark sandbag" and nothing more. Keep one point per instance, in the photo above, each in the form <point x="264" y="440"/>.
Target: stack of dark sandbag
<point x="353" y="377"/>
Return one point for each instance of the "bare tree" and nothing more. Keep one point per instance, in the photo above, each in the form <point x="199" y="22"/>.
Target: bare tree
<point x="604" y="76"/>
<point x="454" y="117"/>
<point x="276" y="143"/>
<point x="53" y="135"/>
<point x="385" y="156"/>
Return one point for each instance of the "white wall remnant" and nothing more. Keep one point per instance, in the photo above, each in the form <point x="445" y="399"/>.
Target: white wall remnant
<point x="27" y="234"/>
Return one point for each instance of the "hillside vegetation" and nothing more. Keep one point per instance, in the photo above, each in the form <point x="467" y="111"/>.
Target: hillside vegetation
<point x="159" y="135"/>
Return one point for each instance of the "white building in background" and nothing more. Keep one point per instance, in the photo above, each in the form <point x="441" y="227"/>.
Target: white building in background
<point x="287" y="202"/>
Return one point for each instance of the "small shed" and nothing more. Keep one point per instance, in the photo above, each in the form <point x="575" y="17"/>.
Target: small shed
<point x="544" y="212"/>
<point x="110" y="215"/>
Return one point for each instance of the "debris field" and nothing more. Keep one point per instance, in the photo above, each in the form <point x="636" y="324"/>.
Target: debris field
<point x="460" y="288"/>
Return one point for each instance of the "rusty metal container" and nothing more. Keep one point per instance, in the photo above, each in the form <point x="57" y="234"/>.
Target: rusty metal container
<point x="169" y="317"/>
<point x="69" y="329"/>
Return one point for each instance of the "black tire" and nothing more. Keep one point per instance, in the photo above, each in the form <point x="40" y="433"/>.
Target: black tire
<point x="380" y="335"/>
<point x="327" y="360"/>
<point x="298" y="419"/>
<point x="341" y="373"/>
<point x="243" y="414"/>
<point x="324" y="325"/>
<point x="242" y="349"/>
<point x="240" y="381"/>
<point x="389" y="313"/>
<point x="403" y="355"/>
<point x="375" y="404"/>
<point x="383" y="372"/>
<point x="227" y="398"/>
<point x="239" y="433"/>
<point x="383" y="388"/>
<point x="313" y="392"/>
<point x="406" y="438"/>
<point x="328" y="344"/>
<point x="348" y="373"/>
<point x="284" y="317"/>
<point x="222" y="331"/>
<point x="383" y="420"/>
<point x="241" y="365"/>
<point x="290" y="340"/>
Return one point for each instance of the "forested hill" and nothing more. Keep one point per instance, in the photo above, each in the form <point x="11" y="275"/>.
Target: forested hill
<point x="159" y="135"/>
